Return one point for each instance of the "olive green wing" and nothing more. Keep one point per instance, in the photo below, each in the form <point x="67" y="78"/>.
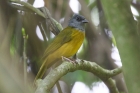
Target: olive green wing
<point x="63" y="37"/>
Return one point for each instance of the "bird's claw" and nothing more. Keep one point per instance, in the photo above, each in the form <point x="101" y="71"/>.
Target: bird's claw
<point x="68" y="59"/>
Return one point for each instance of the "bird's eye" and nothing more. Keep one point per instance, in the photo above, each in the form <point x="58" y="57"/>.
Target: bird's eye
<point x="78" y="19"/>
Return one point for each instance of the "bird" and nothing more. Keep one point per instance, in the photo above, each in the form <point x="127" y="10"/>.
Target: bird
<point x="65" y="44"/>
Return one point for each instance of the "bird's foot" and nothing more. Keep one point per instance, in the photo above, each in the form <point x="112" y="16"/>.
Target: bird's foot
<point x="69" y="59"/>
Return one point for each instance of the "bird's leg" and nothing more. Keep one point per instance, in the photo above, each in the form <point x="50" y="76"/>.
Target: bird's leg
<point x="69" y="59"/>
<point x="74" y="57"/>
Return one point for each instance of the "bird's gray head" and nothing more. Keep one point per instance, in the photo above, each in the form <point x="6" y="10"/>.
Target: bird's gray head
<point x="78" y="22"/>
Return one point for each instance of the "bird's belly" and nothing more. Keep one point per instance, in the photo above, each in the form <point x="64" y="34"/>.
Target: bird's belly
<point x="71" y="47"/>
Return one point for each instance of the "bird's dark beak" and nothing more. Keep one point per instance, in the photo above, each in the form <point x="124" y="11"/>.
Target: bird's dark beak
<point x="85" y="21"/>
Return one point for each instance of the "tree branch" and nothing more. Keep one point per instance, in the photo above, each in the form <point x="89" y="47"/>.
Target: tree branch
<point x="44" y="86"/>
<point x="28" y="6"/>
<point x="55" y="26"/>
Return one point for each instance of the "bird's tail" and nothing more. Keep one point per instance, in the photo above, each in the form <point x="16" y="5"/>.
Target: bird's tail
<point x="41" y="71"/>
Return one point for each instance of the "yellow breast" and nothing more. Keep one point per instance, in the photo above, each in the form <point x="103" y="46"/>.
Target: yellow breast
<point x="71" y="47"/>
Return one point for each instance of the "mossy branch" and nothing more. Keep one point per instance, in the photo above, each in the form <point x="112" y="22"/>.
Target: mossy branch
<point x="44" y="86"/>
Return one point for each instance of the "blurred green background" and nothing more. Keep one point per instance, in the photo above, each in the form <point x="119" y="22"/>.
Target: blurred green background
<point x="24" y="36"/>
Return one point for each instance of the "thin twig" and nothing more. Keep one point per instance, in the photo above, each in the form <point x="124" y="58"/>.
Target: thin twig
<point x="25" y="37"/>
